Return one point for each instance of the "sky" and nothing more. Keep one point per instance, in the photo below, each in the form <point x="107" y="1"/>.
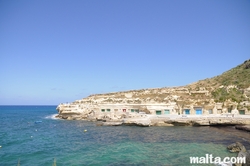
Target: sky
<point x="56" y="51"/>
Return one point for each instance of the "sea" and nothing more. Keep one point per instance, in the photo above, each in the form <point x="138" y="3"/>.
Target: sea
<point x="32" y="136"/>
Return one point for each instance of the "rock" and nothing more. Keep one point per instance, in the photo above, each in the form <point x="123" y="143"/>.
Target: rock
<point x="179" y="122"/>
<point x="144" y="123"/>
<point x="247" y="64"/>
<point x="247" y="156"/>
<point x="162" y="124"/>
<point x="112" y="123"/>
<point x="91" y="118"/>
<point x="201" y="122"/>
<point x="69" y="118"/>
<point x="244" y="127"/>
<point x="137" y="122"/>
<point x="236" y="147"/>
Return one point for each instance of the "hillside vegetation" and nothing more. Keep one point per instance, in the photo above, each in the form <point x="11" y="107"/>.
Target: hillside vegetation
<point x="231" y="84"/>
<point x="229" y="88"/>
<point x="239" y="76"/>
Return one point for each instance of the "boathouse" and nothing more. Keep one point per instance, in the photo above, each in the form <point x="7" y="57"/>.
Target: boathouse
<point x="198" y="110"/>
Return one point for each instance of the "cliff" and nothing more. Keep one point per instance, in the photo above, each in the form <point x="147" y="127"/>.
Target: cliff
<point x="228" y="93"/>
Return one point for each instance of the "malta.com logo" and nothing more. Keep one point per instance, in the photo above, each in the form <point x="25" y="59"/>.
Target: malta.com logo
<point x="209" y="159"/>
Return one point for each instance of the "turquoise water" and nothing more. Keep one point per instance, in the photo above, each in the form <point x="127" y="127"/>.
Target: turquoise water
<point x="38" y="144"/>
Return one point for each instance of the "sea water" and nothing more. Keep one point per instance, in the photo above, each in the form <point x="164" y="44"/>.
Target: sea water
<point x="68" y="142"/>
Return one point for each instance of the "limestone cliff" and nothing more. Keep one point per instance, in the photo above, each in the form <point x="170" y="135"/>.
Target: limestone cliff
<point x="226" y="93"/>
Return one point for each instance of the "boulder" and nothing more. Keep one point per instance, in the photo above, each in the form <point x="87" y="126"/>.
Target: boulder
<point x="137" y="122"/>
<point x="236" y="147"/>
<point x="143" y="123"/>
<point x="245" y="154"/>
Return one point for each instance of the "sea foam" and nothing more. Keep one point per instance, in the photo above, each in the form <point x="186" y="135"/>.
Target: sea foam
<point x="53" y="116"/>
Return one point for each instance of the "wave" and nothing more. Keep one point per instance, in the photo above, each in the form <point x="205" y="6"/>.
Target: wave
<point x="53" y="116"/>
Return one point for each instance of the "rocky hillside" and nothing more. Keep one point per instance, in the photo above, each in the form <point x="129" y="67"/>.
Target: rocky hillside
<point x="232" y="85"/>
<point x="230" y="89"/>
<point x="223" y="97"/>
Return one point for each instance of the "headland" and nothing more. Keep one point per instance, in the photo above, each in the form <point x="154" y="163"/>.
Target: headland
<point x="221" y="100"/>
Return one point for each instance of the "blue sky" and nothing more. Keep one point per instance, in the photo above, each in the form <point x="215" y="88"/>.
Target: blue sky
<point x="55" y="51"/>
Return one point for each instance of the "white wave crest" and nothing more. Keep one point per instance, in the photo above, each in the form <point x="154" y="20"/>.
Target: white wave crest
<point x="53" y="116"/>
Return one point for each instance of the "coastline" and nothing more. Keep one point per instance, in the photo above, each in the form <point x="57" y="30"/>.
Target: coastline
<point x="146" y="120"/>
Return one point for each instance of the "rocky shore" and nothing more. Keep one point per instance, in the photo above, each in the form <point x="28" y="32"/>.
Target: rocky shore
<point x="220" y="100"/>
<point x="243" y="127"/>
<point x="241" y="122"/>
<point x="242" y="152"/>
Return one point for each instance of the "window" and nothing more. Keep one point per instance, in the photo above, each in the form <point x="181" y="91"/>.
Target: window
<point x="166" y="112"/>
<point x="242" y="112"/>
<point x="132" y="110"/>
<point x="137" y="111"/>
<point x="210" y="111"/>
<point x="103" y="110"/>
<point x="108" y="110"/>
<point x="158" y="112"/>
<point x="229" y="110"/>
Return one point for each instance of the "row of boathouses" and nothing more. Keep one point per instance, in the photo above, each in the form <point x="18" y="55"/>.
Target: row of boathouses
<point x="154" y="109"/>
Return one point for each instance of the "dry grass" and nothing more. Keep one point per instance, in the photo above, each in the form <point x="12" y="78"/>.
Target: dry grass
<point x="239" y="76"/>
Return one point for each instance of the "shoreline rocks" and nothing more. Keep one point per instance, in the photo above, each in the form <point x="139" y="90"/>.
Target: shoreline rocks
<point x="145" y="120"/>
<point x="242" y="152"/>
<point x="243" y="127"/>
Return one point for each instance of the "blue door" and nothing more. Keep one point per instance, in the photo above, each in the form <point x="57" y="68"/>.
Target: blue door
<point x="187" y="111"/>
<point x="198" y="112"/>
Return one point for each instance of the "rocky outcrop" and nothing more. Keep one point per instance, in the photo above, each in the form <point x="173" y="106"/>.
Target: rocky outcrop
<point x="173" y="121"/>
<point x="110" y="123"/>
<point x="137" y="122"/>
<point x="236" y="147"/>
<point x="243" y="127"/>
<point x="208" y="121"/>
<point x="242" y="152"/>
<point x="126" y="122"/>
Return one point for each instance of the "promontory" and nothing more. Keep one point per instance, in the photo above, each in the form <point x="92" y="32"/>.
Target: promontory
<point x="221" y="100"/>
